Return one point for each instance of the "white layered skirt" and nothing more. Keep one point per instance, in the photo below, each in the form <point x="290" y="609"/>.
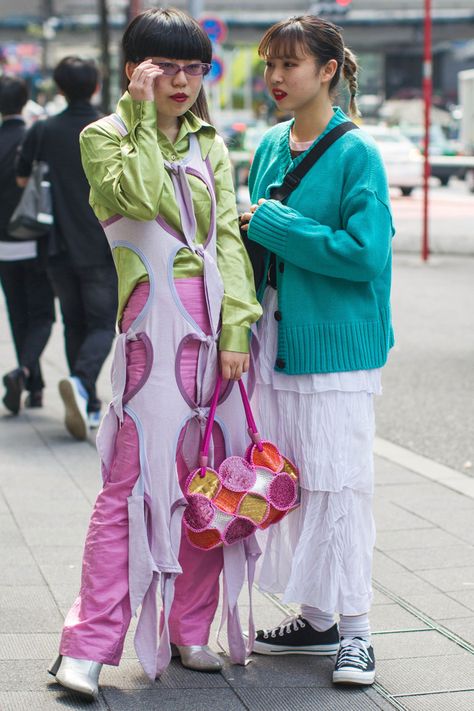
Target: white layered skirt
<point x="320" y="554"/>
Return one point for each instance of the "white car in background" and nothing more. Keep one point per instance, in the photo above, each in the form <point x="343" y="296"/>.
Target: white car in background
<point x="403" y="161"/>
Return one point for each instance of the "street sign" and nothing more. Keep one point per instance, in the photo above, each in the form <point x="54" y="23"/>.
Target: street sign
<point x="214" y="27"/>
<point x="217" y="70"/>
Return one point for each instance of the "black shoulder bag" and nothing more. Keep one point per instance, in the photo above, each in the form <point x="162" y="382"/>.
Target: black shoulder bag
<point x="257" y="253"/>
<point x="33" y="216"/>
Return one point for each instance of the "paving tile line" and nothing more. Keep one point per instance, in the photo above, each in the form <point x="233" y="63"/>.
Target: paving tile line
<point x="433" y="693"/>
<point x="425" y="467"/>
<point x="387" y="696"/>
<point x="432" y="625"/>
<point x="423" y="617"/>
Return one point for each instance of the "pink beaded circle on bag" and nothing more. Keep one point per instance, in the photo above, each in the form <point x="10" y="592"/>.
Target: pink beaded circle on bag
<point x="245" y="493"/>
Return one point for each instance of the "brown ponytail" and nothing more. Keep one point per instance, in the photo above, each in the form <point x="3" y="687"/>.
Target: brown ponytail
<point x="349" y="70"/>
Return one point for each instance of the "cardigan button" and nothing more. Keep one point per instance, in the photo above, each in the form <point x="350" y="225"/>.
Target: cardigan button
<point x="280" y="363"/>
<point x="278" y="315"/>
<point x="281" y="267"/>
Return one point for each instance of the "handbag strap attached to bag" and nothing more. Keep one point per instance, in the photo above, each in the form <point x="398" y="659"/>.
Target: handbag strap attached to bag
<point x="294" y="177"/>
<point x="252" y="427"/>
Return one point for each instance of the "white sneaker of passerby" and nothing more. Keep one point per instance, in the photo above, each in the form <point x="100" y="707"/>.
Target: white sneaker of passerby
<point x="94" y="418"/>
<point x="75" y="398"/>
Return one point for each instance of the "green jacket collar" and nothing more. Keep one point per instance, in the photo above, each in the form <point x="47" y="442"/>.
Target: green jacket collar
<point x="190" y="123"/>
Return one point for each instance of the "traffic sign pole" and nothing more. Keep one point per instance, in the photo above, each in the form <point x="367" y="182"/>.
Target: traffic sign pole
<point x="427" y="96"/>
<point x="195" y="8"/>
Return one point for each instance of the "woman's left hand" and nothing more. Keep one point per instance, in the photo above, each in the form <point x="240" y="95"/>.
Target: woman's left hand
<point x="233" y="365"/>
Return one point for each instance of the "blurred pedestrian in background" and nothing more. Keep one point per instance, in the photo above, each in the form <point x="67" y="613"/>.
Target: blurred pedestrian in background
<point x="28" y="293"/>
<point x="80" y="266"/>
<point x="324" y="336"/>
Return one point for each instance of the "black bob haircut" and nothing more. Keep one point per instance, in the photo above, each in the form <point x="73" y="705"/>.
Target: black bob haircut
<point x="165" y="33"/>
<point x="13" y="95"/>
<point x="77" y="78"/>
<point x="168" y="33"/>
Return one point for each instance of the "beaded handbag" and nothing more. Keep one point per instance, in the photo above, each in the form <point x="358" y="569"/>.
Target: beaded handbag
<point x="228" y="504"/>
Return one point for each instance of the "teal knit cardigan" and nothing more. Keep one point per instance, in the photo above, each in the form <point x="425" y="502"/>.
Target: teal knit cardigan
<point x="332" y="241"/>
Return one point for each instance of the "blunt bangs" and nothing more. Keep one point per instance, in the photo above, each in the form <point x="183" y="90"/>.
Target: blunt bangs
<point x="165" y="33"/>
<point x="283" y="40"/>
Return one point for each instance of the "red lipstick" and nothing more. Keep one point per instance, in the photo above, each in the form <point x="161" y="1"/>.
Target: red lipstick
<point x="279" y="94"/>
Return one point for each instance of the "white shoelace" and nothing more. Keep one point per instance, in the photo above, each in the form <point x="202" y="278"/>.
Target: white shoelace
<point x="288" y="625"/>
<point x="353" y="652"/>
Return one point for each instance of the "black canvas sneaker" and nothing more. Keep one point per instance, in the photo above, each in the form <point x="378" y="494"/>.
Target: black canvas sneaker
<point x="296" y="636"/>
<point x="355" y="663"/>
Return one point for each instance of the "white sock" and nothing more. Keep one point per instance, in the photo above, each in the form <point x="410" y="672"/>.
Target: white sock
<point x="319" y="620"/>
<point x="355" y="626"/>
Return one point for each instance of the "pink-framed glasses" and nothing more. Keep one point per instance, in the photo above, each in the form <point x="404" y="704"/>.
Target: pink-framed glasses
<point x="196" y="69"/>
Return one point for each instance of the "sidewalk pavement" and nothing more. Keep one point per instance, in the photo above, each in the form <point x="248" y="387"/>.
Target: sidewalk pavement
<point x="422" y="618"/>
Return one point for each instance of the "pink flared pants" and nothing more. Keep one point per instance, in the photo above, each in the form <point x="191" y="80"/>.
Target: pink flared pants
<point x="98" y="621"/>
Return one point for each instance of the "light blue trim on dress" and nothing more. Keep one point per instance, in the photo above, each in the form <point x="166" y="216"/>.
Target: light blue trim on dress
<point x="139" y="488"/>
<point x="151" y="277"/>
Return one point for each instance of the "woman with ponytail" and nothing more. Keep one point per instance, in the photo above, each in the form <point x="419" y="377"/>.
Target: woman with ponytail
<point x="323" y="339"/>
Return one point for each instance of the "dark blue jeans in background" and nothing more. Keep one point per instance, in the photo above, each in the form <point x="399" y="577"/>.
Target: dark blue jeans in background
<point x="30" y="304"/>
<point x="88" y="301"/>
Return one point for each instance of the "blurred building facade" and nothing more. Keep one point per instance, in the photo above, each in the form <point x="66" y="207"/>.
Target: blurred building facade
<point x="386" y="34"/>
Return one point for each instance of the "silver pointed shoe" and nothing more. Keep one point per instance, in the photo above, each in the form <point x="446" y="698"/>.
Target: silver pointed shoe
<point x="81" y="675"/>
<point x="198" y="657"/>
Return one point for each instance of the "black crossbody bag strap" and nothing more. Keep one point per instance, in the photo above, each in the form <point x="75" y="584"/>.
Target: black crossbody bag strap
<point x="294" y="177"/>
<point x="39" y="140"/>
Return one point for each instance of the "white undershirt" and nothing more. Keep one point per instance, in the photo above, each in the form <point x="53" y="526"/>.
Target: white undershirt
<point x="299" y="146"/>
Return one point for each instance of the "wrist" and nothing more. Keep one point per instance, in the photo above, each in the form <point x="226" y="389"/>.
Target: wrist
<point x="140" y="96"/>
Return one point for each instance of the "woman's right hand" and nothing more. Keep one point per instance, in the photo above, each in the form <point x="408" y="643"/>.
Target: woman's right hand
<point x="142" y="81"/>
<point x="245" y="218"/>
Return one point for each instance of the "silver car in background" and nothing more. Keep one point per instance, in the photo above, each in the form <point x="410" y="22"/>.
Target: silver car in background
<point x="403" y="160"/>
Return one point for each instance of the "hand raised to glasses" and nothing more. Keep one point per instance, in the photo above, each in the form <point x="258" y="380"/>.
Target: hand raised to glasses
<point x="245" y="218"/>
<point x="143" y="79"/>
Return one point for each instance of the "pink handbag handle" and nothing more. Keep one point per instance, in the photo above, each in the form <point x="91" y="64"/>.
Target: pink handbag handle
<point x="252" y="427"/>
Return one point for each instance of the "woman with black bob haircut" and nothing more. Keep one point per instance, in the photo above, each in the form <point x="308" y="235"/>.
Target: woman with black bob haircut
<point x="168" y="33"/>
<point x="161" y="186"/>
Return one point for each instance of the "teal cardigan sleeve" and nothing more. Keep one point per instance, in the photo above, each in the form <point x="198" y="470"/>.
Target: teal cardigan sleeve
<point x="359" y="252"/>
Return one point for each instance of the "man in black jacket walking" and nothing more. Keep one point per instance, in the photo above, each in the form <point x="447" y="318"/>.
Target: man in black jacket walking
<point x="28" y="293"/>
<point x="81" y="268"/>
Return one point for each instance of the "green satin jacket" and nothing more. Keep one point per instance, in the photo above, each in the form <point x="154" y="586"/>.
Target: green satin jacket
<point x="127" y="176"/>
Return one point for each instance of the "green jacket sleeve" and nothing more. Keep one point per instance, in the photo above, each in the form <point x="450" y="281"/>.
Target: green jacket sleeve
<point x="240" y="307"/>
<point x="125" y="173"/>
